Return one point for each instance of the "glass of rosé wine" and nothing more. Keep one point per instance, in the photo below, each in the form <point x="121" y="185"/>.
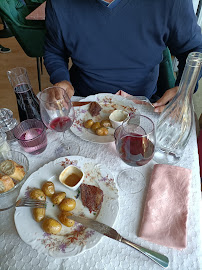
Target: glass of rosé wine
<point x="135" y="143"/>
<point x="57" y="114"/>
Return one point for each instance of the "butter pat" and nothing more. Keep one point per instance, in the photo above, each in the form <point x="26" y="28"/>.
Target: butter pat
<point x="117" y="117"/>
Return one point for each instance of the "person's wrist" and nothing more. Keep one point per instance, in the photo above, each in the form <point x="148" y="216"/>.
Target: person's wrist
<point x="67" y="86"/>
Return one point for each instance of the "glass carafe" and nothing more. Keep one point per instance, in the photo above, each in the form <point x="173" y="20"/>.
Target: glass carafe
<point x="28" y="104"/>
<point x="176" y="121"/>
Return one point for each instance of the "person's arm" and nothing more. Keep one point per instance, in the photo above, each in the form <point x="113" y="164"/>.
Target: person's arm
<point x="185" y="37"/>
<point x="56" y="56"/>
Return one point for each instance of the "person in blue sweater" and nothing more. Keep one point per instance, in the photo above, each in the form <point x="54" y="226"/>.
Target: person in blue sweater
<point x="117" y="44"/>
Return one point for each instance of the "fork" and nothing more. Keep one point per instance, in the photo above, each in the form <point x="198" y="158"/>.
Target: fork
<point x="27" y="203"/>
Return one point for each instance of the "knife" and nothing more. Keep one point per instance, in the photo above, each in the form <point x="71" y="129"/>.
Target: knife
<point x="80" y="103"/>
<point x="112" y="233"/>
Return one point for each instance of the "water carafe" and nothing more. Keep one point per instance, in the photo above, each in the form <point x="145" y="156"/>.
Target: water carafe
<point x="28" y="104"/>
<point x="176" y="121"/>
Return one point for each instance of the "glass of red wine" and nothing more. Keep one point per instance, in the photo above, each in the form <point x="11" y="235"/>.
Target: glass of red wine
<point x="135" y="143"/>
<point x="57" y="114"/>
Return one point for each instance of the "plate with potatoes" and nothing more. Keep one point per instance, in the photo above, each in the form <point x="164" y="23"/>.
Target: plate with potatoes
<point x="94" y="125"/>
<point x="50" y="230"/>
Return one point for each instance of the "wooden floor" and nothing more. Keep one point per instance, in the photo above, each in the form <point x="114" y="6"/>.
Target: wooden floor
<point x="17" y="58"/>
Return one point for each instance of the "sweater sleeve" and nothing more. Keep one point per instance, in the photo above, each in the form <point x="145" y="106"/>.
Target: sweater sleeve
<point x="56" y="56"/>
<point x="185" y="35"/>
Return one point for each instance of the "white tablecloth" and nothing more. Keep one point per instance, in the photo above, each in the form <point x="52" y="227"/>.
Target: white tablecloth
<point x="108" y="254"/>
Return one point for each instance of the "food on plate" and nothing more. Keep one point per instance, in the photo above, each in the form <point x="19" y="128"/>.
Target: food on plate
<point x="67" y="204"/>
<point x="71" y="177"/>
<point x="94" y="108"/>
<point x="63" y="218"/>
<point x="6" y="183"/>
<point x="48" y="188"/>
<point x="95" y="126"/>
<point x="103" y="131"/>
<point x="37" y="194"/>
<point x="88" y="123"/>
<point x="91" y="196"/>
<point x="58" y="197"/>
<point x="105" y="123"/>
<point x="13" y="169"/>
<point x="51" y="226"/>
<point x="39" y="214"/>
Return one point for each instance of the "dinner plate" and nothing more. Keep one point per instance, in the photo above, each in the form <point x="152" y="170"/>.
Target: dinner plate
<point x="109" y="103"/>
<point x="74" y="240"/>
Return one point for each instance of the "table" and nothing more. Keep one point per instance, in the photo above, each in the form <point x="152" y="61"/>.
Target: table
<point x="38" y="14"/>
<point x="109" y="254"/>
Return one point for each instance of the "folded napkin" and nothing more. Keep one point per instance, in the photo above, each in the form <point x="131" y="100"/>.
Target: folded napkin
<point x="142" y="100"/>
<point x="166" y="207"/>
<point x="123" y="94"/>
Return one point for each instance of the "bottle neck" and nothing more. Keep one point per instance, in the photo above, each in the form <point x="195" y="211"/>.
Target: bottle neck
<point x="190" y="75"/>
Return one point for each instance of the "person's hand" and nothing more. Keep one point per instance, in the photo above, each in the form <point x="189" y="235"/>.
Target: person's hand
<point x="67" y="86"/>
<point x="168" y="95"/>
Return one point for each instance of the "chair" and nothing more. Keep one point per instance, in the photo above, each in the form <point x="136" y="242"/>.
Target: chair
<point x="166" y="79"/>
<point x="33" y="4"/>
<point x="29" y="34"/>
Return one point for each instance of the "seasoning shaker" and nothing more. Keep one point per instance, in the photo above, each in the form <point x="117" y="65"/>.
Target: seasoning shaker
<point x="4" y="146"/>
<point x="7" y="123"/>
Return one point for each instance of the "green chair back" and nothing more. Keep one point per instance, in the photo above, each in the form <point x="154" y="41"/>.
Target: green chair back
<point x="166" y="78"/>
<point x="29" y="34"/>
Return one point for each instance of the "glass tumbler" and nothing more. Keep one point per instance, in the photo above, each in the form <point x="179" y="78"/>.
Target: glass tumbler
<point x="31" y="135"/>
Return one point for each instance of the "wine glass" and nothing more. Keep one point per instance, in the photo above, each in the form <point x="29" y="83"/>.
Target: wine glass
<point x="57" y="114"/>
<point x="135" y="143"/>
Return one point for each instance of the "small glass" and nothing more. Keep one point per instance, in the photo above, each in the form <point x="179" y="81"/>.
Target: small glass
<point x="3" y="142"/>
<point x="7" y="123"/>
<point x="31" y="135"/>
<point x="135" y="143"/>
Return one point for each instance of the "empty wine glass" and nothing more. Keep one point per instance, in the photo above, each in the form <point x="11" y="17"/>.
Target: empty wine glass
<point x="135" y="143"/>
<point x="57" y="113"/>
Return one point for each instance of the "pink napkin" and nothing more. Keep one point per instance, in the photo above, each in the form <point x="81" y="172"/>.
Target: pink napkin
<point x="166" y="207"/>
<point x="123" y="94"/>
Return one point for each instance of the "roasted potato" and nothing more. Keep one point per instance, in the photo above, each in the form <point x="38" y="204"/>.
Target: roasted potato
<point x="58" y="197"/>
<point x="88" y="123"/>
<point x="105" y="123"/>
<point x="39" y="214"/>
<point x="67" y="204"/>
<point x="101" y="131"/>
<point x="95" y="126"/>
<point x="48" y="188"/>
<point x="37" y="194"/>
<point x="63" y="218"/>
<point x="51" y="225"/>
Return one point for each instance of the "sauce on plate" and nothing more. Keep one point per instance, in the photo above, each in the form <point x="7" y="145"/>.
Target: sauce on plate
<point x="72" y="180"/>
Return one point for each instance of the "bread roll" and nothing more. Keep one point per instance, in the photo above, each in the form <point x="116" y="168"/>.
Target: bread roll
<point x="6" y="183"/>
<point x="13" y="169"/>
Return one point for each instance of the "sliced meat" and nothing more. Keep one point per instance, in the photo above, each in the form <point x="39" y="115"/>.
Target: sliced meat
<point x="94" y="108"/>
<point x="92" y="197"/>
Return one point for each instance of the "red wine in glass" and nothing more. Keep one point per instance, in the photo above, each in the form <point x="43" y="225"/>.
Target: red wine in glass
<point x="135" y="149"/>
<point x="61" y="123"/>
<point x="58" y="114"/>
<point x="135" y="144"/>
<point x="28" y="104"/>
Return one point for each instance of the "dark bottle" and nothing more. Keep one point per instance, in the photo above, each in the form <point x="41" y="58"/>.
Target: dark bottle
<point x="28" y="104"/>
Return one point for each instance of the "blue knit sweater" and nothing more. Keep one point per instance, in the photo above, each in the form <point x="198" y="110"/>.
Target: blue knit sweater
<point x="118" y="47"/>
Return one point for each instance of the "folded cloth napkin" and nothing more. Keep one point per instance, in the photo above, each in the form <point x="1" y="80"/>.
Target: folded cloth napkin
<point x="166" y="206"/>
<point x="142" y="100"/>
<point x="123" y="94"/>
